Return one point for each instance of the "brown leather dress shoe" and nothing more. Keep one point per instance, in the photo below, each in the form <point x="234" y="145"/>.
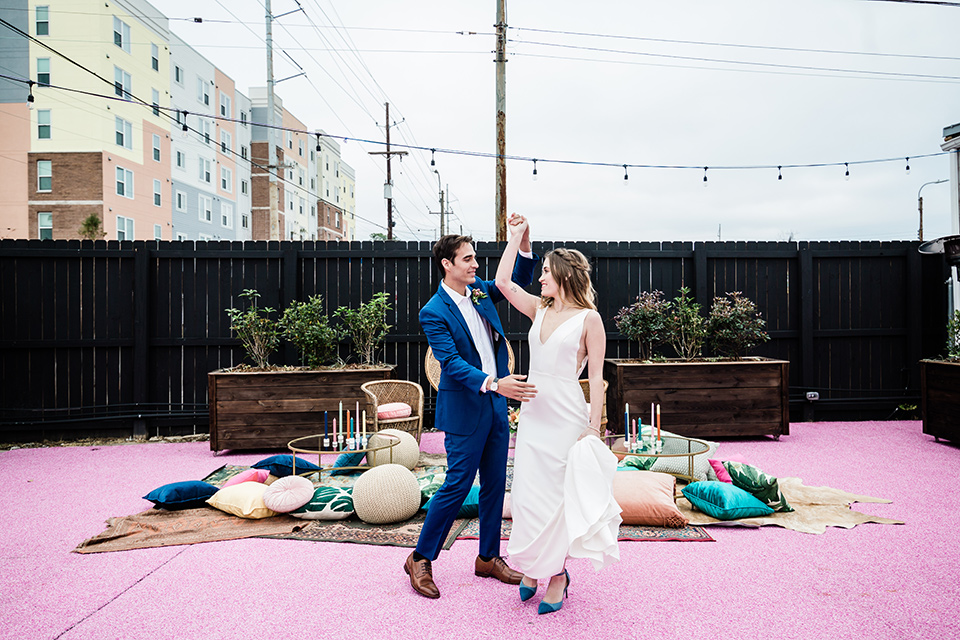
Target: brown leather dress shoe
<point x="421" y="577"/>
<point x="497" y="568"/>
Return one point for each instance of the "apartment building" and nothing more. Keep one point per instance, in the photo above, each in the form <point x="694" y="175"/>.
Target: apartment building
<point x="330" y="183"/>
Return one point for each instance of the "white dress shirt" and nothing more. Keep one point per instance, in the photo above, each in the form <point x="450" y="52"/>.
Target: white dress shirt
<point x="479" y="330"/>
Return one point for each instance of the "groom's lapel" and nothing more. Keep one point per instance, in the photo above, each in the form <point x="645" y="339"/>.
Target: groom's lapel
<point x="453" y="310"/>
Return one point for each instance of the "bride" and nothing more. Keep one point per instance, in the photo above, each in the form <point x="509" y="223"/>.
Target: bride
<point x="562" y="496"/>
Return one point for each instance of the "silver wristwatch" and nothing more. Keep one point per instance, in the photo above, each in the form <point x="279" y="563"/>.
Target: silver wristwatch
<point x="493" y="385"/>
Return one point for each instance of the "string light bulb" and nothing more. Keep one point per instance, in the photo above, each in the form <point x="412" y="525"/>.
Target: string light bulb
<point x="908" y="166"/>
<point x="705" y="176"/>
<point x="318" y="143"/>
<point x="30" y="97"/>
<point x="534" y="169"/>
<point x="846" y="174"/>
<point x="433" y="162"/>
<point x="626" y="178"/>
<point x="779" y="173"/>
<point x="185" y="121"/>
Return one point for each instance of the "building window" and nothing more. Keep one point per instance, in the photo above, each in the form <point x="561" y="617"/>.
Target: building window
<point x="43" y="124"/>
<point x="155" y="57"/>
<point x="243" y="118"/>
<point x="181" y="201"/>
<point x="311" y="155"/>
<point x="124" y="133"/>
<point x="337" y="219"/>
<point x="43" y="72"/>
<point x="226" y="142"/>
<point x="121" y="34"/>
<point x="157" y="187"/>
<point x="206" y="127"/>
<point x="122" y="85"/>
<point x="226" y="179"/>
<point x="300" y="143"/>
<point x="124" y="183"/>
<point x="156" y="102"/>
<point x="289" y="139"/>
<point x="226" y="215"/>
<point x="244" y="187"/>
<point x="45" y="225"/>
<point x="178" y="74"/>
<point x="204" y="237"/>
<point x="313" y="184"/>
<point x="313" y="210"/>
<point x="181" y="237"/>
<point x="157" y="232"/>
<point x="203" y="94"/>
<point x="206" y="209"/>
<point x="43" y="21"/>
<point x="156" y="147"/>
<point x="243" y="152"/>
<point x="124" y="228"/>
<point x="245" y="220"/>
<point x="301" y="177"/>
<point x="225" y="109"/>
<point x="181" y="160"/>
<point x="205" y="170"/>
<point x="301" y="206"/>
<point x="44" y="175"/>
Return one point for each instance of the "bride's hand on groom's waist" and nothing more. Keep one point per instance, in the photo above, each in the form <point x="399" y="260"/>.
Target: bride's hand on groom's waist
<point x="513" y="386"/>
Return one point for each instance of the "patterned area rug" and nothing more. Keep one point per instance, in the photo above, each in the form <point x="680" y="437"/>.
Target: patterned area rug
<point x="400" y="534"/>
<point x="471" y="530"/>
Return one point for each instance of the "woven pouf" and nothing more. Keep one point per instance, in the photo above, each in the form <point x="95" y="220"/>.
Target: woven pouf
<point x="405" y="452"/>
<point x="384" y="494"/>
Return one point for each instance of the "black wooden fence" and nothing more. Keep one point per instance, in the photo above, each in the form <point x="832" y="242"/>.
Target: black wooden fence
<point x="117" y="337"/>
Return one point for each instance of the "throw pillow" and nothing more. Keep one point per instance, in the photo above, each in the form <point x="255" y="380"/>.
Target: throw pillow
<point x="724" y="501"/>
<point x="181" y="495"/>
<point x="250" y="475"/>
<point x="637" y="463"/>
<point x="429" y="484"/>
<point x="244" y="500"/>
<point x="348" y="459"/>
<point x="720" y="471"/>
<point x="393" y="410"/>
<point x="327" y="503"/>
<point x="471" y="504"/>
<point x="647" y="498"/>
<point x="680" y="465"/>
<point x="287" y="494"/>
<point x="282" y="465"/>
<point x="765" y="487"/>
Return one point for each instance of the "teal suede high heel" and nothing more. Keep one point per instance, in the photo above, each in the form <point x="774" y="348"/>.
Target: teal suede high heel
<point x="526" y="592"/>
<point x="550" y="607"/>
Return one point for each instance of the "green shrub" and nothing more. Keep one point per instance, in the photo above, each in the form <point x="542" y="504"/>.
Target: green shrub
<point x="306" y="325"/>
<point x="367" y="326"/>
<point x="953" y="337"/>
<point x="645" y="321"/>
<point x="734" y="326"/>
<point x="686" y="328"/>
<point x="257" y="332"/>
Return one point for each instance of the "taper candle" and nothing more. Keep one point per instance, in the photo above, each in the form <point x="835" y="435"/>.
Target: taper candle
<point x="658" y="423"/>
<point x="340" y="416"/>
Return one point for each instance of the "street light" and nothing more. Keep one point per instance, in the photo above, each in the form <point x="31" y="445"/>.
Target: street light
<point x="920" y="205"/>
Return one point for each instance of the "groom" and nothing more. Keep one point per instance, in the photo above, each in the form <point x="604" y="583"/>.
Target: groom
<point x="463" y="328"/>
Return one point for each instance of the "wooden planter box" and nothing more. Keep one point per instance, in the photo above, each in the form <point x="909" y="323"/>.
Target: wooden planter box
<point x="940" y="399"/>
<point x="703" y="399"/>
<point x="268" y="409"/>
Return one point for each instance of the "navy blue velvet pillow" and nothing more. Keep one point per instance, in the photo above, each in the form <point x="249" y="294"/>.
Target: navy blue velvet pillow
<point x="348" y="459"/>
<point x="181" y="495"/>
<point x="282" y="465"/>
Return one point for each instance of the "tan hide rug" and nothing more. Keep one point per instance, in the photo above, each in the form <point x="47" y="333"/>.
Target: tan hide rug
<point x="816" y="508"/>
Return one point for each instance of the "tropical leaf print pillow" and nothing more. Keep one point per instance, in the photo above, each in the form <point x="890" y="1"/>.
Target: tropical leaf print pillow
<point x="327" y="503"/>
<point x="764" y="487"/>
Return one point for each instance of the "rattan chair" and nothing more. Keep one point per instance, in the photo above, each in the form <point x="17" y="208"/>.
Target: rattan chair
<point x="585" y="387"/>
<point x="432" y="365"/>
<point x="380" y="392"/>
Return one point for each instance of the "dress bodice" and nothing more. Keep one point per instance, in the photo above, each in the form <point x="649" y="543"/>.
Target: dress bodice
<point x="558" y="355"/>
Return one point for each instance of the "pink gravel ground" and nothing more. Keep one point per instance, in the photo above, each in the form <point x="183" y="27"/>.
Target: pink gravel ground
<point x="873" y="581"/>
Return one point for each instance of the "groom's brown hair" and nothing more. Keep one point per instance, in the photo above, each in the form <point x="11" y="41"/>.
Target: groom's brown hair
<point x="446" y="249"/>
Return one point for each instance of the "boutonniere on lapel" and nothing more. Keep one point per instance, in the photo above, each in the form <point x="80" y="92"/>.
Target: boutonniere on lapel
<point x="476" y="295"/>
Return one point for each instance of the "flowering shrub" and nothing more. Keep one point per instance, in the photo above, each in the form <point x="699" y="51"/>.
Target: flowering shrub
<point x="645" y="321"/>
<point x="734" y="326"/>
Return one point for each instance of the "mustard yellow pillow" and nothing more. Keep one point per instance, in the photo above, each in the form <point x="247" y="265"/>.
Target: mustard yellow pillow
<point x="244" y="500"/>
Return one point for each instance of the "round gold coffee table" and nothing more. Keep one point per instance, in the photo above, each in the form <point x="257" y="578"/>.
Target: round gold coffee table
<point x="674" y="446"/>
<point x="314" y="444"/>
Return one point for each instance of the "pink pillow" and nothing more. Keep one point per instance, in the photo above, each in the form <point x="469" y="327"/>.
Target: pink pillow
<point x="393" y="410"/>
<point x="287" y="494"/>
<point x="647" y="498"/>
<point x="250" y="475"/>
<point x="721" y="471"/>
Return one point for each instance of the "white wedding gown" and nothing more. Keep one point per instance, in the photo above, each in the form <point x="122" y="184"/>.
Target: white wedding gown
<point x="562" y="495"/>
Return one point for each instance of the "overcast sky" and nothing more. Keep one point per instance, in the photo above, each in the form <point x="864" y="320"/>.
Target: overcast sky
<point x="678" y="82"/>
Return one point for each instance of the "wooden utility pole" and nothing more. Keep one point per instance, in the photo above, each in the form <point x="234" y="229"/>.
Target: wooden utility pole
<point x="274" y="190"/>
<point x="501" y="60"/>
<point x="388" y="187"/>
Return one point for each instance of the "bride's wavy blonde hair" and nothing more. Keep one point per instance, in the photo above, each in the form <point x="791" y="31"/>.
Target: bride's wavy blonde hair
<point x="571" y="272"/>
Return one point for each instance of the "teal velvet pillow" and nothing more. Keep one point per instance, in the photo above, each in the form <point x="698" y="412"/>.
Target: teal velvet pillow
<point x="181" y="495"/>
<point x="282" y="465"/>
<point x="724" y="501"/>
<point x="348" y="459"/>
<point x="471" y="504"/>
